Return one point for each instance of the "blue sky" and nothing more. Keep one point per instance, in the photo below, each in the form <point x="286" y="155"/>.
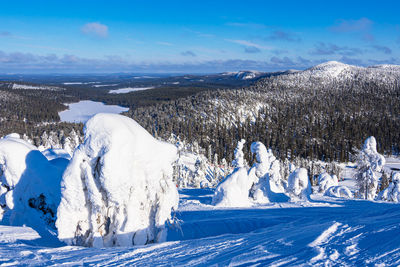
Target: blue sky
<point x="194" y="36"/>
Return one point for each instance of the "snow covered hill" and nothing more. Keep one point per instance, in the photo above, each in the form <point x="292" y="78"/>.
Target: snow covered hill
<point x="332" y="74"/>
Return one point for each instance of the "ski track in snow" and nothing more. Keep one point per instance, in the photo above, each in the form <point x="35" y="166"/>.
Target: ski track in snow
<point x="325" y="232"/>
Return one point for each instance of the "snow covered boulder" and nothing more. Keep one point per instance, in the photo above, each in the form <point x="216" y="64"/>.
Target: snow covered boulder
<point x="233" y="191"/>
<point x="325" y="181"/>
<point x="339" y="191"/>
<point x="392" y="192"/>
<point x="268" y="186"/>
<point x="299" y="186"/>
<point x="29" y="185"/>
<point x="117" y="189"/>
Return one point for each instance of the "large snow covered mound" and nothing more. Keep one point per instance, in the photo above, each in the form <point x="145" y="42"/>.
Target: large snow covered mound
<point x="29" y="185"/>
<point x="117" y="189"/>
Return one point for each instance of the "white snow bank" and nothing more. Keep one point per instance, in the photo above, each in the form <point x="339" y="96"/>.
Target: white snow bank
<point x="298" y="185"/>
<point x="339" y="191"/>
<point x="325" y="181"/>
<point x="117" y="189"/>
<point x="392" y="192"/>
<point x="29" y="185"/>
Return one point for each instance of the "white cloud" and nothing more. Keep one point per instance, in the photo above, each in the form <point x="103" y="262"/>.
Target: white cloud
<point x="165" y="43"/>
<point x="249" y="44"/>
<point x="95" y="29"/>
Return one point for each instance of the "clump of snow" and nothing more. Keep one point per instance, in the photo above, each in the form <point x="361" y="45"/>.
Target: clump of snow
<point x="117" y="189"/>
<point x="392" y="192"/>
<point x="29" y="185"/>
<point x="233" y="191"/>
<point x="265" y="172"/>
<point x="325" y="181"/>
<point x="339" y="191"/>
<point x="299" y="186"/>
<point x="370" y="163"/>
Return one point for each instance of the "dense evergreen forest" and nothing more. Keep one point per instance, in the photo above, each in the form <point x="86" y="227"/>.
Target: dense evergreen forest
<point x="312" y="118"/>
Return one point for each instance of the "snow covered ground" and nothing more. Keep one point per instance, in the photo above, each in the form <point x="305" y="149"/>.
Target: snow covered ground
<point x="326" y="231"/>
<point x="83" y="110"/>
<point x="129" y="89"/>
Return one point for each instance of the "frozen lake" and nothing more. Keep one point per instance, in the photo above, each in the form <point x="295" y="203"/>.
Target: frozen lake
<point x="129" y="89"/>
<point x="83" y="110"/>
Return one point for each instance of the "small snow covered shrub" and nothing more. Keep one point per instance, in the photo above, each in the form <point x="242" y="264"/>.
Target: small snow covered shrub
<point x="369" y="162"/>
<point x="325" y="181"/>
<point x="117" y="189"/>
<point x="299" y="187"/>
<point x="265" y="172"/>
<point x="392" y="192"/>
<point x="29" y="184"/>
<point x="339" y="191"/>
<point x="233" y="191"/>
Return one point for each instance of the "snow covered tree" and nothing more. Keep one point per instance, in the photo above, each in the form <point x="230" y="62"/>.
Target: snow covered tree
<point x="117" y="189"/>
<point x="265" y="172"/>
<point x="369" y="164"/>
<point x="325" y="181"/>
<point x="299" y="187"/>
<point x="233" y="191"/>
<point x="392" y="192"/>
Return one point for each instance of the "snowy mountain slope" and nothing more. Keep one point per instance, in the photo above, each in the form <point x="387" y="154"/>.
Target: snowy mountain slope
<point x="333" y="74"/>
<point x="328" y="231"/>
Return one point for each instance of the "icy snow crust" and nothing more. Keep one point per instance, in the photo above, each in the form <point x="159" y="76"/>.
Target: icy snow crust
<point x="117" y="189"/>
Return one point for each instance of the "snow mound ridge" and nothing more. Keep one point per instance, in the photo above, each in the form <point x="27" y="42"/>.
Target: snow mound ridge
<point x="117" y="189"/>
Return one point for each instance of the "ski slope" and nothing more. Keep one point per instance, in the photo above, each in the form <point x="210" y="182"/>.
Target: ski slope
<point x="326" y="231"/>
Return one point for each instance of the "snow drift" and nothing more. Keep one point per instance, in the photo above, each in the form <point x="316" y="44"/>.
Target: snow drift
<point x="117" y="189"/>
<point x="29" y="185"/>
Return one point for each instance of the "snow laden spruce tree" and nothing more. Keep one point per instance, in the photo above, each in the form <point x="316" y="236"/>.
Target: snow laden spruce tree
<point x="265" y="172"/>
<point x="233" y="191"/>
<point x="369" y="164"/>
<point x="29" y="185"/>
<point x="392" y="192"/>
<point x="117" y="189"/>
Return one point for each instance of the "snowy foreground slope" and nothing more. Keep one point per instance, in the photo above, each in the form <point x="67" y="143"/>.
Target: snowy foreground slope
<point x="325" y="231"/>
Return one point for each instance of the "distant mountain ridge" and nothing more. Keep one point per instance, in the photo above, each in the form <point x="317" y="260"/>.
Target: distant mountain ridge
<point x="333" y="74"/>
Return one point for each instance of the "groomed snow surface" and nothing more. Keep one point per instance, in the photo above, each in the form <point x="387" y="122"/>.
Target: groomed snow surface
<point x="325" y="232"/>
